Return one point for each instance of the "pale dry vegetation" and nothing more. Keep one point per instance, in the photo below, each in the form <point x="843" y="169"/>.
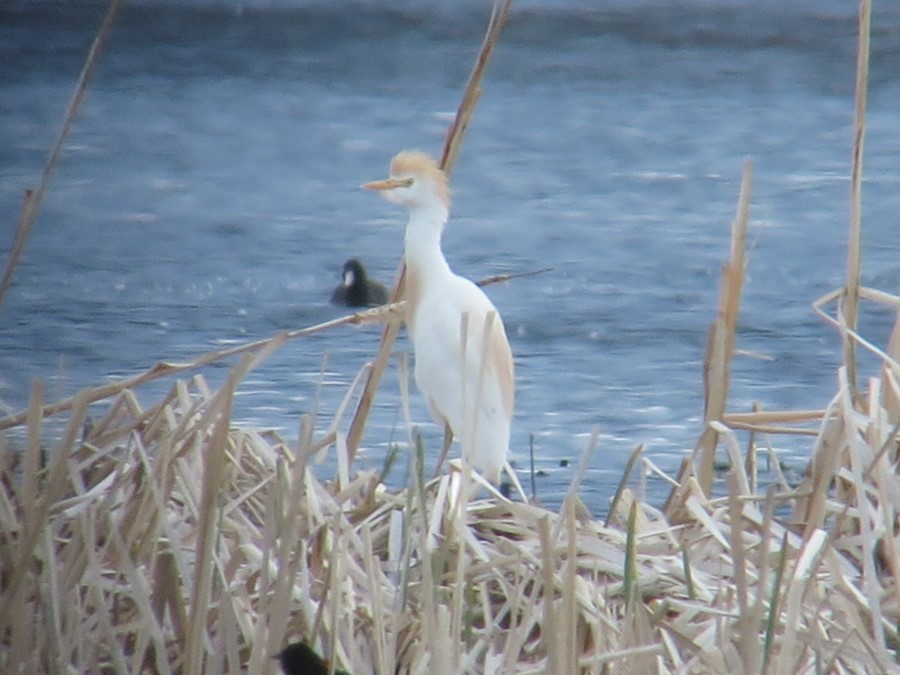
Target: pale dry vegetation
<point x="165" y="538"/>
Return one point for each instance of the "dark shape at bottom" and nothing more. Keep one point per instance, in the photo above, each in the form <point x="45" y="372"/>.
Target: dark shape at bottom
<point x="298" y="658"/>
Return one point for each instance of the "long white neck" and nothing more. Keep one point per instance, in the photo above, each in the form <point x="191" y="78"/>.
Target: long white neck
<point x="423" y="241"/>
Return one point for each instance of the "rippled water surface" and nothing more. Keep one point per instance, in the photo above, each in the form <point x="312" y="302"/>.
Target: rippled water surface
<point x="209" y="195"/>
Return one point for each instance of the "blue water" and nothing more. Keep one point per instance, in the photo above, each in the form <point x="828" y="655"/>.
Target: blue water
<point x="209" y="195"/>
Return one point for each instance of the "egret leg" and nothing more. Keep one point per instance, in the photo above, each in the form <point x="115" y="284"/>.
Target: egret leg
<point x="445" y="448"/>
<point x="514" y="483"/>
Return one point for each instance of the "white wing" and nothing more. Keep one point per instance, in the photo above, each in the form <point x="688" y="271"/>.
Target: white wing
<point x="475" y="397"/>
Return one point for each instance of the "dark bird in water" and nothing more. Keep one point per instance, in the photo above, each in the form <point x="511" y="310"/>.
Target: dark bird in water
<point x="299" y="659"/>
<point x="357" y="290"/>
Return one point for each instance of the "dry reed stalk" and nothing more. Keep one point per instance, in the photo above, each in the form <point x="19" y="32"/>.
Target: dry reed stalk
<point x="769" y="429"/>
<point x="717" y="364"/>
<point x="33" y="459"/>
<point x="33" y="198"/>
<point x="623" y="483"/>
<point x="759" y="417"/>
<point x="891" y="376"/>
<point x="213" y="475"/>
<point x="500" y="278"/>
<point x="452" y="144"/>
<point x="891" y="361"/>
<point x="850" y="304"/>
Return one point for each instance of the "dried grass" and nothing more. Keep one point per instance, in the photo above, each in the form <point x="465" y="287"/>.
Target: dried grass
<point x="166" y="539"/>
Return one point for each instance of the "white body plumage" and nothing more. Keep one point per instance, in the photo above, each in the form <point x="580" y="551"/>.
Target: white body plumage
<point x="469" y="384"/>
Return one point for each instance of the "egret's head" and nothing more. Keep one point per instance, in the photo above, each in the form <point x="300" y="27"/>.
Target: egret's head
<point x="416" y="181"/>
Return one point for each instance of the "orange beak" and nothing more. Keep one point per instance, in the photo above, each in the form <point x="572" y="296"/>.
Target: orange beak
<point x="387" y="184"/>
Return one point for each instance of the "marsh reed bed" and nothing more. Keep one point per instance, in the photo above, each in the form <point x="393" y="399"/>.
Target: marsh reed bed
<point x="163" y="537"/>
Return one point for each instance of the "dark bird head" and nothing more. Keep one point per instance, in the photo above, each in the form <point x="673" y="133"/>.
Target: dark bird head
<point x="356" y="289"/>
<point x="298" y="658"/>
<point x="354" y="273"/>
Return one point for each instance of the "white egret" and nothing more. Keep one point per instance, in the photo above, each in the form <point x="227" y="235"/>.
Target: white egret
<point x="469" y="383"/>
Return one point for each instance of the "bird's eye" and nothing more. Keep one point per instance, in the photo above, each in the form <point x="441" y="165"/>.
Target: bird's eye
<point x="407" y="182"/>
